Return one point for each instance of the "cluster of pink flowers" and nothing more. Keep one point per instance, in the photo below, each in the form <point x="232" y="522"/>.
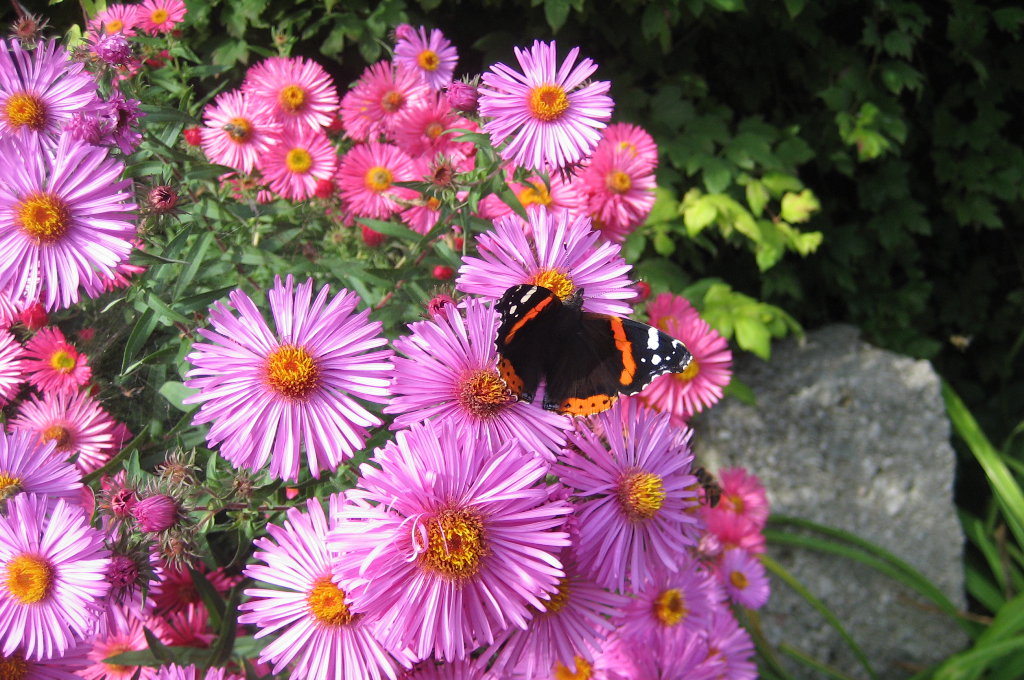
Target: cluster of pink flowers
<point x="151" y="16"/>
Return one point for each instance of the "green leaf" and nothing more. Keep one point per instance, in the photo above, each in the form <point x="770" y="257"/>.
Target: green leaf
<point x="757" y="197"/>
<point x="556" y="12"/>
<point x="798" y="207"/>
<point x="717" y="175"/>
<point x="794" y="7"/>
<point x="143" y="328"/>
<point x="753" y="336"/>
<point x="664" y="245"/>
<point x="176" y="393"/>
<point x="698" y="215"/>
<point x="395" y="229"/>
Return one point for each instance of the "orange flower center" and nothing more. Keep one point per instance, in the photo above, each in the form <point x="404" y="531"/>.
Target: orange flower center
<point x="13" y="667"/>
<point x="583" y="670"/>
<point x="428" y="60"/>
<point x="29" y="578"/>
<point x="738" y="579"/>
<point x="618" y="182"/>
<point x="641" y="494"/>
<point x="434" y="130"/>
<point x="392" y="102"/>
<point x="548" y="102"/>
<point x="298" y="161"/>
<point x="327" y="603"/>
<point x="114" y="26"/>
<point x="43" y="217"/>
<point x="535" y="193"/>
<point x="670" y="607"/>
<point x="292" y="98"/>
<point x="692" y="369"/>
<point x="25" y="109"/>
<point x="455" y="544"/>
<point x="159" y="15"/>
<point x="9" y="485"/>
<point x="378" y="178"/>
<point x="555" y="281"/>
<point x="483" y="393"/>
<point x="59" y="434"/>
<point x="292" y="372"/>
<point x="239" y="130"/>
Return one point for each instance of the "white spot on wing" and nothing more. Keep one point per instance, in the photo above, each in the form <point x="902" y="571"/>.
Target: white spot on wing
<point x="655" y="359"/>
<point x="652" y="338"/>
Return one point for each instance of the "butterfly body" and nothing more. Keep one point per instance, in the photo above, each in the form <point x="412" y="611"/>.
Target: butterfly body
<point x="585" y="359"/>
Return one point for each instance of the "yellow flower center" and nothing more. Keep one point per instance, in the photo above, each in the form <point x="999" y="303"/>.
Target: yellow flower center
<point x="555" y="281"/>
<point x="455" y="544"/>
<point x="428" y="60"/>
<point x="159" y="15"/>
<point x="43" y="217"/>
<point x="630" y="146"/>
<point x="618" y="182"/>
<point x="692" y="369"/>
<point x="483" y="393"/>
<point x="735" y="501"/>
<point x="25" y="109"/>
<point x="298" y="161"/>
<point x="13" y="667"/>
<point x="29" y="578"/>
<point x="59" y="434"/>
<point x="641" y="494"/>
<point x="378" y="178"/>
<point x="327" y="603"/>
<point x="392" y="102"/>
<point x="292" y="98"/>
<point x="292" y="372"/>
<point x="560" y="597"/>
<point x="114" y="26"/>
<point x="583" y="670"/>
<point x="434" y="130"/>
<point x="239" y="130"/>
<point x="9" y="485"/>
<point x="670" y="607"/>
<point x="548" y="102"/>
<point x="62" y="361"/>
<point x="534" y="194"/>
<point x="738" y="579"/>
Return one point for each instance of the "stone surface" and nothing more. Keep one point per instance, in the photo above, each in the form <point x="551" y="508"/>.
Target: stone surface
<point x="853" y="437"/>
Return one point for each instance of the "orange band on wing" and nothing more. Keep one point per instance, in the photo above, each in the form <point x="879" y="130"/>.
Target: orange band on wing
<point x="625" y="348"/>
<point x="586" y="406"/>
<point x="526" y="318"/>
<point x="508" y="373"/>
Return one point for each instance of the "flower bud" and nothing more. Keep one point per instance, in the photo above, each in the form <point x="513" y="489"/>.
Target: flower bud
<point x="462" y="96"/>
<point x="193" y="136"/>
<point x="156" y="513"/>
<point x="162" y="199"/>
<point x="443" y="273"/>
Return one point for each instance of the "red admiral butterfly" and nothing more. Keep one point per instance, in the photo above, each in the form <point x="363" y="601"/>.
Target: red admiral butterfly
<point x="586" y="359"/>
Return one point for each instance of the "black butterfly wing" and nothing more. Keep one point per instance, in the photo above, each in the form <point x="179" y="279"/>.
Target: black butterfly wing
<point x="527" y="336"/>
<point x="606" y="356"/>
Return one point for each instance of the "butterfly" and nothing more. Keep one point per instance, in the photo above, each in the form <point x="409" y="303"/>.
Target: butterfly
<point x="585" y="359"/>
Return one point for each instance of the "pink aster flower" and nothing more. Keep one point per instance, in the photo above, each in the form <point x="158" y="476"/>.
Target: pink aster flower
<point x="635" y="494"/>
<point x="26" y="466"/>
<point x="76" y="422"/>
<point x="467" y="531"/>
<point x="124" y="633"/>
<point x="633" y="140"/>
<point x="450" y="373"/>
<point x="372" y="107"/>
<point x="563" y="255"/>
<point x="744" y="578"/>
<point x="65" y="220"/>
<point x="619" y="189"/>
<point x="58" y="667"/>
<point x="578" y="619"/>
<point x="423" y="130"/>
<point x="298" y="91"/>
<point x="238" y="131"/>
<point x="188" y="627"/>
<point x="467" y="669"/>
<point x="670" y="604"/>
<point x="116" y="18"/>
<point x="367" y="176"/>
<point x="160" y="16"/>
<point x="175" y="591"/>
<point x="433" y="56"/>
<point x="271" y="395"/>
<point x="675" y="657"/>
<point x="53" y="364"/>
<point x="39" y="91"/>
<point x="318" y="629"/>
<point x="730" y="644"/>
<point x="742" y="494"/>
<point x="558" y="196"/>
<point x="296" y="162"/>
<point x="552" y="117"/>
<point x="700" y="385"/>
<point x="12" y="371"/>
<point x="52" y="576"/>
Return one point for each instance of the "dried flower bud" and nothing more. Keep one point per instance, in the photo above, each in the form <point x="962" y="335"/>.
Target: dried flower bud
<point x="122" y="572"/>
<point x="28" y="28"/>
<point x="156" y="513"/>
<point x="162" y="199"/>
<point x="439" y="305"/>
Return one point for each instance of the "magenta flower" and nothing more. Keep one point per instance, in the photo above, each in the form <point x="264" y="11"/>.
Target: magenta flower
<point x="373" y="106"/>
<point x="730" y="644"/>
<point x="76" y="423"/>
<point x="558" y="196"/>
<point x="296" y="161"/>
<point x="40" y="90"/>
<point x="53" y="364"/>
<point x="367" y="176"/>
<point x="424" y="130"/>
<point x="549" y="111"/>
<point x="744" y="578"/>
<point x="52" y="576"/>
<point x="26" y="466"/>
<point x="116" y="18"/>
<point x="156" y="513"/>
<point x="619" y="189"/>
<point x="632" y="139"/>
<point x="298" y="91"/>
<point x="160" y="16"/>
<point x="468" y="532"/>
<point x="563" y="255"/>
<point x="450" y="373"/>
<point x="12" y="366"/>
<point x="670" y="604"/>
<point x="122" y="633"/>
<point x="433" y="56"/>
<point x="66" y="220"/>
<point x="701" y="384"/>
<point x="272" y="395"/>
<point x="239" y="131"/>
<point x="636" y="498"/>
<point x="317" y="628"/>
<point x="58" y="667"/>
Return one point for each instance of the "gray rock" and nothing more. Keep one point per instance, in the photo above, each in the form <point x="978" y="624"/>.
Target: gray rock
<point x="853" y="437"/>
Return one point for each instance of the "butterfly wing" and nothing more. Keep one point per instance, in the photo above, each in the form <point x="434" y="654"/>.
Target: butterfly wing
<point x="530" y="316"/>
